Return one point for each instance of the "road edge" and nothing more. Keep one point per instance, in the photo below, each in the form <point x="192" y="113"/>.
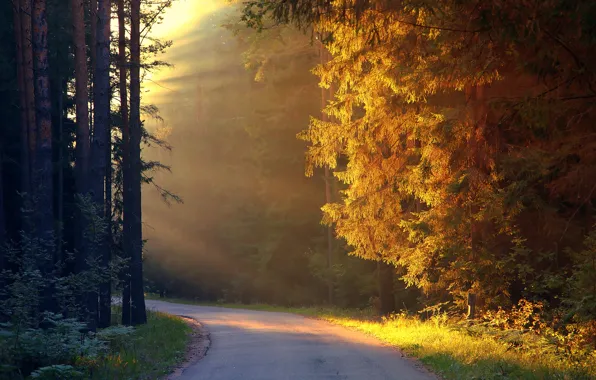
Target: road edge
<point x="197" y="348"/>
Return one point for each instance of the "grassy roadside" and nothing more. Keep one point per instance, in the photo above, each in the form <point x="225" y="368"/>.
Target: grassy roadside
<point x="150" y="352"/>
<point x="456" y="351"/>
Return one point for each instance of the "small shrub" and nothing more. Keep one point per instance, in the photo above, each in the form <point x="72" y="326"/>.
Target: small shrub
<point x="58" y="372"/>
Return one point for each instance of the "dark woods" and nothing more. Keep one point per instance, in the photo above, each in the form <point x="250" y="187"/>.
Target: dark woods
<point x="71" y="167"/>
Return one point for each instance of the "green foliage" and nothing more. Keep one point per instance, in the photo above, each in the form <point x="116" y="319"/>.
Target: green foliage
<point x="146" y="352"/>
<point x="48" y="350"/>
<point x="57" y="372"/>
<point x="581" y="292"/>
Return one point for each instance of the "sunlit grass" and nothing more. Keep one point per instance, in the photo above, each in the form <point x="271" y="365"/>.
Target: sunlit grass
<point x="149" y="353"/>
<point x="452" y="350"/>
<point x="456" y="353"/>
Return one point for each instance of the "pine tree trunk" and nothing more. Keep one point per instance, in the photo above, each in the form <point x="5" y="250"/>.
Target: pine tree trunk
<point x="81" y="96"/>
<point x="18" y="33"/>
<point x="101" y="101"/>
<point x="82" y="117"/>
<point x="60" y="230"/>
<point x="82" y="149"/>
<point x="105" y="290"/>
<point x="125" y="154"/>
<point x="93" y="56"/>
<point x="43" y="176"/>
<point x="29" y="90"/>
<point x="133" y="219"/>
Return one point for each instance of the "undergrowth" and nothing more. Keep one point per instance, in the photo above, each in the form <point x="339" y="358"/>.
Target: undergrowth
<point x="64" y="350"/>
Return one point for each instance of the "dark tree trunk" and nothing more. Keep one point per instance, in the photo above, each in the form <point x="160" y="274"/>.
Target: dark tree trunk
<point x="101" y="100"/>
<point x="81" y="97"/>
<point x="93" y="55"/>
<point x="60" y="229"/>
<point x="386" y="296"/>
<point x="43" y="176"/>
<point x="125" y="154"/>
<point x="29" y="92"/>
<point x="18" y="33"/>
<point x="105" y="290"/>
<point x="133" y="218"/>
<point x="471" y="306"/>
<point x="82" y="148"/>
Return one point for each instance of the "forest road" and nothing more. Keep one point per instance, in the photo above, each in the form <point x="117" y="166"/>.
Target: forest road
<point x="258" y="345"/>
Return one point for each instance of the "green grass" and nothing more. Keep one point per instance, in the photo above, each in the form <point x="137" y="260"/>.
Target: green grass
<point x="149" y="353"/>
<point x="455" y="351"/>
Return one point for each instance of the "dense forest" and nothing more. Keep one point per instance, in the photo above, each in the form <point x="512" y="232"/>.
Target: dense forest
<point x="71" y="170"/>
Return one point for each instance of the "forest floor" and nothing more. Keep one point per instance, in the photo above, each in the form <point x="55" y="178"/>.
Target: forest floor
<point x="454" y="351"/>
<point x="153" y="350"/>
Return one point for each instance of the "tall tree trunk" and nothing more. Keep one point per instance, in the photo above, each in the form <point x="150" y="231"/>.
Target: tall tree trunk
<point x="43" y="178"/>
<point x="29" y="91"/>
<point x="132" y="220"/>
<point x="386" y="296"/>
<point x="82" y="149"/>
<point x="101" y="101"/>
<point x="105" y="289"/>
<point x="125" y="153"/>
<point x="60" y="230"/>
<point x="93" y="56"/>
<point x="18" y="33"/>
<point x="81" y="96"/>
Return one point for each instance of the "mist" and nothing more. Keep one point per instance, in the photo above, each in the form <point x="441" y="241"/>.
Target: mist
<point x="249" y="226"/>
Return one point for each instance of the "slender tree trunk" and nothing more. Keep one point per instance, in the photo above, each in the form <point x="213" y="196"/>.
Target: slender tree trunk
<point x="59" y="237"/>
<point x="125" y="153"/>
<point x="93" y="56"/>
<point x="43" y="178"/>
<point x="29" y="90"/>
<point x="18" y="33"/>
<point x="82" y="149"/>
<point x="133" y="219"/>
<point x="81" y="97"/>
<point x="101" y="101"/>
<point x="105" y="290"/>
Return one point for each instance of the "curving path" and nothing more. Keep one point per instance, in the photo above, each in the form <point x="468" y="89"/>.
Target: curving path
<point x="257" y="345"/>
